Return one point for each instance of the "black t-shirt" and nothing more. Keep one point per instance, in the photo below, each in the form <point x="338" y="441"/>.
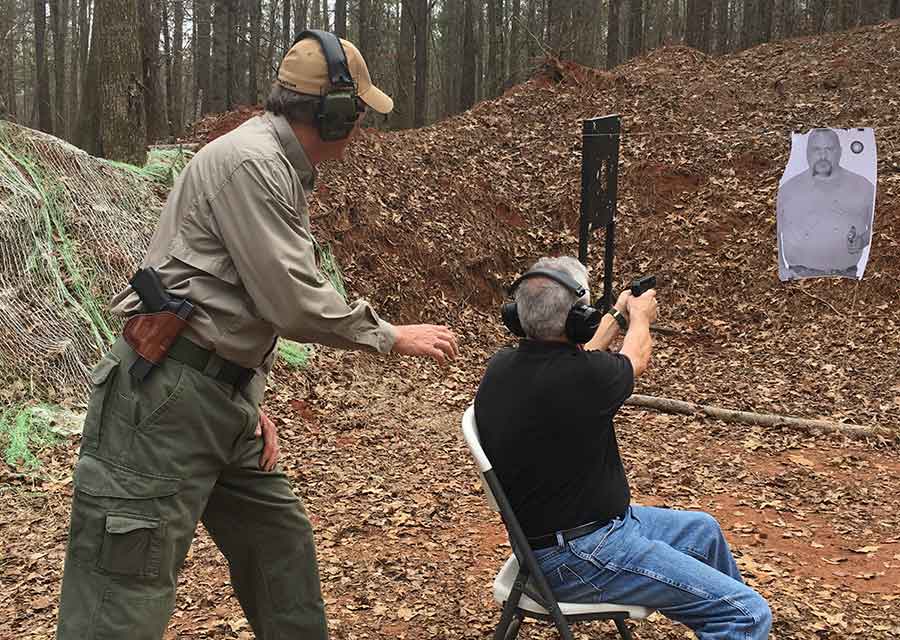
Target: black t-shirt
<point x="544" y="412"/>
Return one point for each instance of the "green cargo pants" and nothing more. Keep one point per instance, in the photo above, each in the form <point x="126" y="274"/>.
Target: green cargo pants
<point x="157" y="457"/>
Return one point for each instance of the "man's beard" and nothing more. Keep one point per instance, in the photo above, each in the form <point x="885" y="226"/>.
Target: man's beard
<point x="822" y="168"/>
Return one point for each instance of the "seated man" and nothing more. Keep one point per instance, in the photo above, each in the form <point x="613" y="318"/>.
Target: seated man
<point x="545" y="416"/>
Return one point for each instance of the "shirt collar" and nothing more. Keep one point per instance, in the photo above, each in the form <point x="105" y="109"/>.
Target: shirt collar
<point x="545" y="346"/>
<point x="293" y="150"/>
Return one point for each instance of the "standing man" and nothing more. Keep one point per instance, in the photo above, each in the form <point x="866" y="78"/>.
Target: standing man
<point x="180" y="444"/>
<point x="824" y="214"/>
<point x="545" y="418"/>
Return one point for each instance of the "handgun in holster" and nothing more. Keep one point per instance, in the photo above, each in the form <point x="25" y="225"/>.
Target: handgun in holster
<point x="152" y="333"/>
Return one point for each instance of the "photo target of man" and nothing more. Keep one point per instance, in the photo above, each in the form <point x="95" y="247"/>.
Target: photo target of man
<point x="826" y="204"/>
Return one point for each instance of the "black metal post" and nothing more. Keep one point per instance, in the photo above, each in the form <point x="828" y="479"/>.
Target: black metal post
<point x="599" y="192"/>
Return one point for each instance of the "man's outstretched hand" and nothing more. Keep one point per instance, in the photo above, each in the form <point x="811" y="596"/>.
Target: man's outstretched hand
<point x="434" y="341"/>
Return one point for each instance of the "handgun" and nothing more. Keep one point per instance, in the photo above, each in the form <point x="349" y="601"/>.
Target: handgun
<point x="642" y="285"/>
<point x="155" y="299"/>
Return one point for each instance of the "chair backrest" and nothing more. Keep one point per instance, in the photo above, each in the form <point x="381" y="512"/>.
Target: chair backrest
<point x="470" y="433"/>
<point x="498" y="501"/>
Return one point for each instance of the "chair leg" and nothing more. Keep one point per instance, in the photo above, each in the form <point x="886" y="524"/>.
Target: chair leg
<point x="562" y="625"/>
<point x="514" y="628"/>
<point x="507" y="618"/>
<point x="624" y="631"/>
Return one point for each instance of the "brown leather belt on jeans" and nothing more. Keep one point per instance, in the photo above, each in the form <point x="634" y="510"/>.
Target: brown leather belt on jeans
<point x="552" y="539"/>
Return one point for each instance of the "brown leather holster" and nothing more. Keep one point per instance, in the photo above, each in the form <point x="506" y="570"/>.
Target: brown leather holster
<point x="151" y="334"/>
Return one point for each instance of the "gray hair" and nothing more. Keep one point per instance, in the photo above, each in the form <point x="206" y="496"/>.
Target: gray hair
<point x="296" y="107"/>
<point x="543" y="304"/>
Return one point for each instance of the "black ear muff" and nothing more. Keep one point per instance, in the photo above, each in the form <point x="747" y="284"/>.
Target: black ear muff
<point x="582" y="322"/>
<point x="509" y="312"/>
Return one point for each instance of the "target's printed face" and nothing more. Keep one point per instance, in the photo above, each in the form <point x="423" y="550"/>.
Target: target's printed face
<point x="823" y="152"/>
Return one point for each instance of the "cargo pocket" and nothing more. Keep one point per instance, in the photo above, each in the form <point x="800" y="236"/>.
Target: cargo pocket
<point x="132" y="545"/>
<point x="102" y="377"/>
<point x="119" y="516"/>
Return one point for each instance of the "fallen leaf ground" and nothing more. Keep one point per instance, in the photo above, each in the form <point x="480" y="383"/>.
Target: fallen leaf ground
<point x="408" y="548"/>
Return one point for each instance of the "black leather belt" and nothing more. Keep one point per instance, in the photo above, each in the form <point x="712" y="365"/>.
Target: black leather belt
<point x="551" y="539"/>
<point x="195" y="356"/>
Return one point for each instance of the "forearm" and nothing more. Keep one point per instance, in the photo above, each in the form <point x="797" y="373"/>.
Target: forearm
<point x="637" y="345"/>
<point x="605" y="334"/>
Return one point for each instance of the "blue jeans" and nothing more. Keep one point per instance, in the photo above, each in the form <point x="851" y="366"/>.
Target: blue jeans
<point x="677" y="562"/>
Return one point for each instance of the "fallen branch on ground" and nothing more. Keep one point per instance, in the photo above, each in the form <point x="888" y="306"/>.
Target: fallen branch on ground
<point x="764" y="419"/>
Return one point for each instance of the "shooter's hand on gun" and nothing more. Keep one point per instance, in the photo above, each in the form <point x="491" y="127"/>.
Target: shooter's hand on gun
<point x="637" y="345"/>
<point x="642" y="307"/>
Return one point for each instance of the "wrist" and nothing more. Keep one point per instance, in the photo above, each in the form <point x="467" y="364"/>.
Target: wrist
<point x="620" y="318"/>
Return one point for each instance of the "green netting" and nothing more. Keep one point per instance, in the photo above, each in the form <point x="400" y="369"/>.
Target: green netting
<point x="24" y="432"/>
<point x="73" y="228"/>
<point x="294" y="354"/>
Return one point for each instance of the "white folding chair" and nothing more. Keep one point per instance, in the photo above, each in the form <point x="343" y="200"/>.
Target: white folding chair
<point x="520" y="587"/>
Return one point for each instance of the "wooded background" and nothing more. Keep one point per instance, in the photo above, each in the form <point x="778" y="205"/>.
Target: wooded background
<point x="96" y="72"/>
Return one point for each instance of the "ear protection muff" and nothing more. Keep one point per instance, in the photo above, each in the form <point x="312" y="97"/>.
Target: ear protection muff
<point x="582" y="320"/>
<point x="338" y="107"/>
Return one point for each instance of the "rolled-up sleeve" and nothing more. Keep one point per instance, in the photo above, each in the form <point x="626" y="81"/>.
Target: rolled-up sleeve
<point x="274" y="255"/>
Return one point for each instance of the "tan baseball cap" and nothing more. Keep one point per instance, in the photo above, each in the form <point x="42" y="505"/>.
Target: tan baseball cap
<point x="304" y="70"/>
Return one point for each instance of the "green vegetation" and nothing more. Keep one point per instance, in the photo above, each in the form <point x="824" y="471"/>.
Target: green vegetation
<point x="25" y="431"/>
<point x="162" y="166"/>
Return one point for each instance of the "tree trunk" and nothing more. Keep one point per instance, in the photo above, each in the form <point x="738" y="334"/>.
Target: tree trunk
<point x="58" y="15"/>
<point x="301" y="16"/>
<point x="493" y="59"/>
<point x="8" y="106"/>
<point x="286" y="38"/>
<point x="404" y="106"/>
<point x="422" y="15"/>
<point x="748" y="24"/>
<point x="612" y="34"/>
<point x="87" y="133"/>
<point x="365" y="24"/>
<point x="176" y="115"/>
<point x="479" y="51"/>
<point x="636" y="28"/>
<point x="44" y="120"/>
<point x="723" y="25"/>
<point x="203" y="24"/>
<point x="219" y="80"/>
<point x="533" y="36"/>
<point x="253" y="58"/>
<point x="660" y="21"/>
<point x="167" y="56"/>
<point x="150" y="25"/>
<point x="766" y="19"/>
<point x="340" y="19"/>
<point x="515" y="42"/>
<point x="698" y="24"/>
<point x="123" y="128"/>
<point x="895" y="9"/>
<point x="467" y="68"/>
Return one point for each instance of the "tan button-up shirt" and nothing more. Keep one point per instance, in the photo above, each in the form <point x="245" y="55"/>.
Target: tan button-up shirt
<point x="234" y="239"/>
